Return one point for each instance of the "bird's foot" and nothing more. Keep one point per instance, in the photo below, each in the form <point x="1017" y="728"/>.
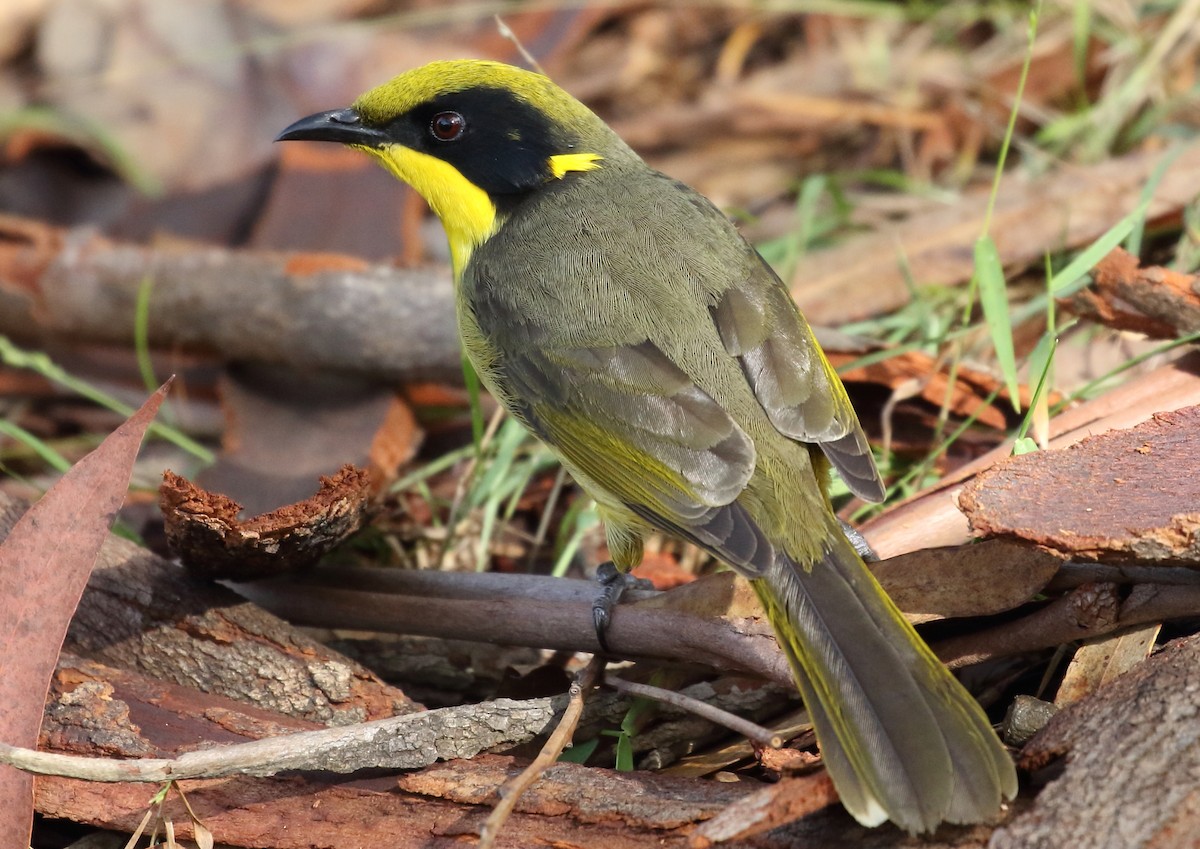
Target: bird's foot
<point x="613" y="583"/>
<point x="860" y="543"/>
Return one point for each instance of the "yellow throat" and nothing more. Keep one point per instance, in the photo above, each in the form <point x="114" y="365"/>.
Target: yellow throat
<point x="467" y="213"/>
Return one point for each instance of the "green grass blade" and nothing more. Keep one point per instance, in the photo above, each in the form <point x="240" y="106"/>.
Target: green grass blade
<point x="141" y="333"/>
<point x="579" y="752"/>
<point x="1074" y="276"/>
<point x="474" y="396"/>
<point x="624" y="760"/>
<point x="17" y="357"/>
<point x="45" y="452"/>
<point x="1042" y="360"/>
<point x="993" y="295"/>
<point x="1081" y="36"/>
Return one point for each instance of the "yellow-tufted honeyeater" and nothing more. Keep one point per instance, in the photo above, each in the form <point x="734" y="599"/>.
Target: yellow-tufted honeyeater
<point x="621" y="317"/>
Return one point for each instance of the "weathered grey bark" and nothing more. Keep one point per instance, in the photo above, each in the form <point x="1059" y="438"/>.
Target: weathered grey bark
<point x="1132" y="772"/>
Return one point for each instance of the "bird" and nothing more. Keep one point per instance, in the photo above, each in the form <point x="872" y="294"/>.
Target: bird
<point x="624" y="320"/>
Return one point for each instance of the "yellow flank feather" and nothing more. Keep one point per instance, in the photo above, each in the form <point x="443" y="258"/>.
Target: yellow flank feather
<point x="467" y="213"/>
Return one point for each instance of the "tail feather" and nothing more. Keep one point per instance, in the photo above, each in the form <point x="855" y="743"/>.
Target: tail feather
<point x="900" y="736"/>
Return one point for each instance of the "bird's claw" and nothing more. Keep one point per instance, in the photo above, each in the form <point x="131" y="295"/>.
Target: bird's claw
<point x="613" y="583"/>
<point x="859" y="542"/>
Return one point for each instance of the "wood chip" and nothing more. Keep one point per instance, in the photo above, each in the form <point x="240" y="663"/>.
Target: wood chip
<point x="1157" y="302"/>
<point x="1124" y="495"/>
<point x="204" y="530"/>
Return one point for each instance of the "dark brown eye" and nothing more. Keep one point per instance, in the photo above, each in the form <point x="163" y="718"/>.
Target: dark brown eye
<point x="447" y="126"/>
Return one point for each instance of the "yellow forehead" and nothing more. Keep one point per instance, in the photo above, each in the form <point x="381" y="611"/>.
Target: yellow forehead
<point x="411" y="89"/>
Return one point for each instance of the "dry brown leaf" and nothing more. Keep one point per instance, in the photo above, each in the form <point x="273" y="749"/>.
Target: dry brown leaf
<point x="968" y="397"/>
<point x="44" y="566"/>
<point x="1098" y="662"/>
<point x="128" y="67"/>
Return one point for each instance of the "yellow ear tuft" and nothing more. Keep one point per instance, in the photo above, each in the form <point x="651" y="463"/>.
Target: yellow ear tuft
<point x="564" y="163"/>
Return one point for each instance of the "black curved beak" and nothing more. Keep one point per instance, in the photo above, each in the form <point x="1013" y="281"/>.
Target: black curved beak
<point x="336" y="125"/>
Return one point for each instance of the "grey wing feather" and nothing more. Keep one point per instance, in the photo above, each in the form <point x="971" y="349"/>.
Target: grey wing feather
<point x="759" y="324"/>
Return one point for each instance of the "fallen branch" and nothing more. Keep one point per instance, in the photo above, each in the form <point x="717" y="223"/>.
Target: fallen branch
<point x="402" y="742"/>
<point x="523" y="610"/>
<point x="1089" y="611"/>
<point x="272" y="307"/>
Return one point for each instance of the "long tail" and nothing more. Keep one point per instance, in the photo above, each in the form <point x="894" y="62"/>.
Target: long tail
<point x="899" y="735"/>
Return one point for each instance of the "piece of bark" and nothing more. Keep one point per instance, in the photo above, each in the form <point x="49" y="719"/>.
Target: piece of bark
<point x="865" y="276"/>
<point x="771" y="807"/>
<point x="130" y="716"/>
<point x="96" y="708"/>
<point x="968" y="580"/>
<point x="1158" y="302"/>
<point x="100" y="710"/>
<point x="153" y="731"/>
<point x="1132" y="772"/>
<point x="145" y="613"/>
<point x="573" y="807"/>
<point x="206" y="534"/>
<point x="932" y="518"/>
<point x="1127" y="495"/>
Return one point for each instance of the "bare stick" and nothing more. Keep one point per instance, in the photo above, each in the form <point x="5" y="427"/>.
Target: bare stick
<point x="528" y="610"/>
<point x="754" y="732"/>
<point x="512" y="789"/>
<point x="401" y="742"/>
<point x="1086" y="611"/>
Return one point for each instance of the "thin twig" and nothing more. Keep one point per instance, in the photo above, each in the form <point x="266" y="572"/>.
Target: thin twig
<point x="464" y="482"/>
<point x="512" y="789"/>
<point x="543" y="528"/>
<point x="752" y="731"/>
<point x="506" y="32"/>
